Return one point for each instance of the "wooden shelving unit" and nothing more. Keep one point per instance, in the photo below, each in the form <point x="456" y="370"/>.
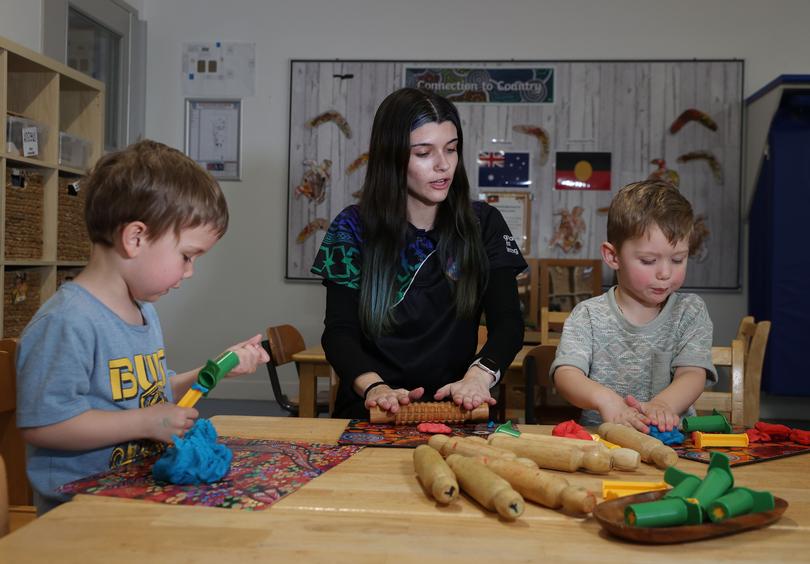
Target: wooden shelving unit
<point x="61" y="99"/>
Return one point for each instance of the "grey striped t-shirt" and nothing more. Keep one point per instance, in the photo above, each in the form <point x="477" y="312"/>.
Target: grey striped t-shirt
<point x="632" y="359"/>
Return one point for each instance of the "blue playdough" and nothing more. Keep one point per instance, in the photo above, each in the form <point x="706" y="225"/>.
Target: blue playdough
<point x="195" y="459"/>
<point x="673" y="437"/>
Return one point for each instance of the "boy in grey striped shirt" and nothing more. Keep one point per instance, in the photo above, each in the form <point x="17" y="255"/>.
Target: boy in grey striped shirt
<point x="640" y="354"/>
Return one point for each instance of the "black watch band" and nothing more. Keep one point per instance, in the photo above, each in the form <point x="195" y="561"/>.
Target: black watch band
<point x="371" y="387"/>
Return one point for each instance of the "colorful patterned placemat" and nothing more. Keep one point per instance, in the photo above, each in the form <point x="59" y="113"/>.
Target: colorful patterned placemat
<point x="262" y="472"/>
<point x="360" y="432"/>
<point x="740" y="456"/>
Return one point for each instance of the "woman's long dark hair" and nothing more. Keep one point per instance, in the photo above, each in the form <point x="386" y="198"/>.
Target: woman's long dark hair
<point x="383" y="209"/>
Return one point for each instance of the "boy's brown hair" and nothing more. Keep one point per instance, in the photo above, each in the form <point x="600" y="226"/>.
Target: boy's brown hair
<point x="153" y="183"/>
<point x="640" y="205"/>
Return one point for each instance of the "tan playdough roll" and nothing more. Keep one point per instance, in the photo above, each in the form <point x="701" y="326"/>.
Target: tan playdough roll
<point x="435" y="475"/>
<point x="486" y="487"/>
<point x="542" y="487"/>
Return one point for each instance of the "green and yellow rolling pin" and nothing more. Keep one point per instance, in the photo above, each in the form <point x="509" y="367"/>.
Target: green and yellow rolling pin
<point x="208" y="377"/>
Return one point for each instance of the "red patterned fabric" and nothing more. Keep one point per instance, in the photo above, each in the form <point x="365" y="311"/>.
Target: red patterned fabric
<point x="359" y="432"/>
<point x="262" y="472"/>
<point x="571" y="429"/>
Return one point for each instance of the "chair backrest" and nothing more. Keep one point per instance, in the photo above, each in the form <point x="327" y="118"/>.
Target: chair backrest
<point x="730" y="403"/>
<point x="543" y="405"/>
<point x="3" y="499"/>
<point x="12" y="446"/>
<point x="557" y="285"/>
<point x="284" y="341"/>
<point x="755" y="339"/>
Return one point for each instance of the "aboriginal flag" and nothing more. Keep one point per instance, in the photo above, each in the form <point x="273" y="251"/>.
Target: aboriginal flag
<point x="582" y="171"/>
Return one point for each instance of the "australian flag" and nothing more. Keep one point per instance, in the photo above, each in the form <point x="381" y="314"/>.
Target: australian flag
<point x="502" y="169"/>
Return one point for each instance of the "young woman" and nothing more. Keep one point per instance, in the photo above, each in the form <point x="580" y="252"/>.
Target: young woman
<point x="409" y="271"/>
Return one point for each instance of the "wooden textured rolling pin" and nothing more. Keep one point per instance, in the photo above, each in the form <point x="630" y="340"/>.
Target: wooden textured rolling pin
<point x="622" y="458"/>
<point x="650" y="448"/>
<point x="543" y="487"/>
<point x="486" y="487"/>
<point x="465" y="447"/>
<point x="423" y="412"/>
<point x="435" y="475"/>
<point x="555" y="456"/>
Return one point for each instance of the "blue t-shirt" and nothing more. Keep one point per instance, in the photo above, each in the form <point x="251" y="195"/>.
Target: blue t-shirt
<point x="75" y="355"/>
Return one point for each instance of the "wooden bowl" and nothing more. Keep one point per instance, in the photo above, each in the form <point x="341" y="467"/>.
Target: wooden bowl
<point x="610" y="515"/>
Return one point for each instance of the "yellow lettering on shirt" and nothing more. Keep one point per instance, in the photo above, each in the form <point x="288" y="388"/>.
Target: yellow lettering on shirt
<point x="122" y="381"/>
<point x="129" y="378"/>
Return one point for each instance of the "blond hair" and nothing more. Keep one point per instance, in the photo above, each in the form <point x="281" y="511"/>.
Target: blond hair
<point x="640" y="205"/>
<point x="153" y="183"/>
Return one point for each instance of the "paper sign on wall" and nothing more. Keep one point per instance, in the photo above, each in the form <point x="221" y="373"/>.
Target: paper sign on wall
<point x="218" y="70"/>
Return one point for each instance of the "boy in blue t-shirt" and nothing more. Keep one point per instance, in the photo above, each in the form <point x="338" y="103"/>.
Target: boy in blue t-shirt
<point x="640" y="353"/>
<point x="93" y="390"/>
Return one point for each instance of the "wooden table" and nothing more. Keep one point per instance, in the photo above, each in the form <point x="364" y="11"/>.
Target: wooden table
<point x="372" y="509"/>
<point x="312" y="362"/>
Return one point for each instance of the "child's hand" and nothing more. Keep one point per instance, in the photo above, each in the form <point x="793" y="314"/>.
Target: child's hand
<point x="617" y="411"/>
<point x="469" y="392"/>
<point x="390" y="399"/>
<point x="251" y="354"/>
<point x="659" y="413"/>
<point x="163" y="420"/>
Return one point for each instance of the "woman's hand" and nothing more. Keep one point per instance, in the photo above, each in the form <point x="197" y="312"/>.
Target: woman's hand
<point x="657" y="411"/>
<point x="469" y="392"/>
<point x="389" y="399"/>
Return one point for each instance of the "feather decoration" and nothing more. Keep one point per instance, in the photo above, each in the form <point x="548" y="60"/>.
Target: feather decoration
<point x="333" y="116"/>
<point x="711" y="160"/>
<point x="538" y="133"/>
<point x="692" y="114"/>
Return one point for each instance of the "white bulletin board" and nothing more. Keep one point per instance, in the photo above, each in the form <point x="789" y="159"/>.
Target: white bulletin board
<point x="590" y="127"/>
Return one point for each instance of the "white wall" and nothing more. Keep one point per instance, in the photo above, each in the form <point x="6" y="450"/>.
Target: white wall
<point x="240" y="287"/>
<point x="21" y="21"/>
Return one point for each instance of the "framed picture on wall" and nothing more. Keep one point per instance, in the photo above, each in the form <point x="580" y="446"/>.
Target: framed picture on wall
<point x="214" y="136"/>
<point x="515" y="207"/>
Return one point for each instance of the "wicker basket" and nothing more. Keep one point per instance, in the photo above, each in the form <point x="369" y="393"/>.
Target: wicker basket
<point x="21" y="299"/>
<point x="66" y="274"/>
<point x="72" y="242"/>
<point x="24" y="203"/>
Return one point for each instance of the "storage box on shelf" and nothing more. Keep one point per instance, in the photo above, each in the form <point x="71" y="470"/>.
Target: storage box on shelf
<point x="24" y="137"/>
<point x="43" y="240"/>
<point x="24" y="190"/>
<point x="22" y="296"/>
<point x="74" y="151"/>
<point x="66" y="274"/>
<point x="72" y="242"/>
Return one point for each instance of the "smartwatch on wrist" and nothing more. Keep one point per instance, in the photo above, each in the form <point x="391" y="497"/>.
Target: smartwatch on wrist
<point x="490" y="367"/>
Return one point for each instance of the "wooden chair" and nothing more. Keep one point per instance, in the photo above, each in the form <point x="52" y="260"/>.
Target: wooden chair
<point x="543" y="405"/>
<point x="557" y="286"/>
<point x="283" y="341"/>
<point x="19" y="496"/>
<point x="755" y="339"/>
<point x="12" y="446"/>
<point x="731" y="403"/>
<point x="3" y="499"/>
